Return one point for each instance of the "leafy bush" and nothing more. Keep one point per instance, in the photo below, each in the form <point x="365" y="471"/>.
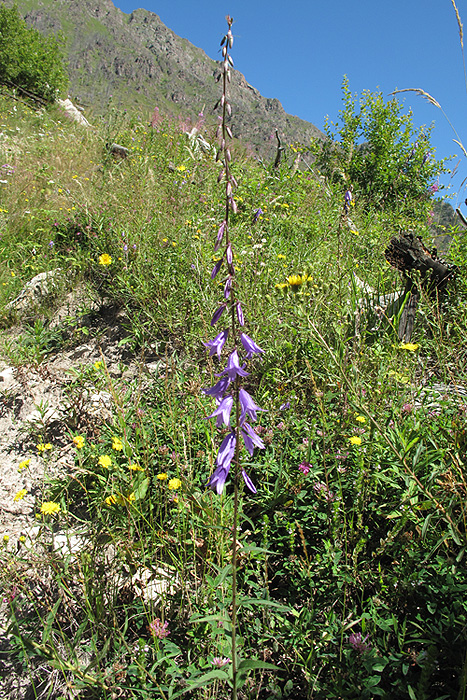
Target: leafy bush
<point x="29" y="60"/>
<point x="378" y="152"/>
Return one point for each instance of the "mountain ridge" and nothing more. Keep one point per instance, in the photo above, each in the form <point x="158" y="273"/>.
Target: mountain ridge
<point x="137" y="62"/>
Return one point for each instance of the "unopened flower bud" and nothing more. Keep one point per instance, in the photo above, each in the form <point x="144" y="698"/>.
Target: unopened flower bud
<point x="227" y="287"/>
<point x="228" y="189"/>
<point x="229" y="131"/>
<point x="229" y="58"/>
<point x="233" y="205"/>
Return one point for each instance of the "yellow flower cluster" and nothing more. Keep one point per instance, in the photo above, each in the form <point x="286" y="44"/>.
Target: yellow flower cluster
<point x="44" y="447"/>
<point x="355" y="440"/>
<point x="105" y="259"/>
<point x="78" y="441"/>
<point x="117" y="444"/>
<point x="294" y="282"/>
<point x="105" y="461"/>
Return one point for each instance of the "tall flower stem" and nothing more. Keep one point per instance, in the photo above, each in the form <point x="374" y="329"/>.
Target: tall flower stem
<point x="229" y="390"/>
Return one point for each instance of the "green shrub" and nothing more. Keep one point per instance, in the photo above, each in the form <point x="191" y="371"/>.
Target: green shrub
<point x="29" y="60"/>
<point x="379" y="153"/>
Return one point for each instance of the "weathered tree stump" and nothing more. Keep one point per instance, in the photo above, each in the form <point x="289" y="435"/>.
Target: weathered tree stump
<point x="407" y="253"/>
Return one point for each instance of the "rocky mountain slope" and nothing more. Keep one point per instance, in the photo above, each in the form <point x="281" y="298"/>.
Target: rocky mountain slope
<point x="140" y="63"/>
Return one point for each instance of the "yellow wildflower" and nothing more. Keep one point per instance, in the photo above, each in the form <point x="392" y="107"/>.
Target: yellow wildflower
<point x="20" y="495"/>
<point x="105" y="461"/>
<point x="97" y="365"/>
<point x="411" y="347"/>
<point x="78" y="441"/>
<point x="131" y="497"/>
<point x="296" y="281"/>
<point x="6" y="538"/>
<point x="354" y="440"/>
<point x="361" y="419"/>
<point x="44" y="447"/>
<point x="112" y="500"/>
<point x="23" y="465"/>
<point x="50" y="508"/>
<point x="117" y="444"/>
<point x="162" y="476"/>
<point x="105" y="259"/>
<point x="135" y="468"/>
<point x="174" y="484"/>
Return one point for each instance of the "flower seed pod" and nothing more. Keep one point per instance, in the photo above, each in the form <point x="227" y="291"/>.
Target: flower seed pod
<point x="229" y="109"/>
<point x="230" y="60"/>
<point x="229" y="37"/>
<point x="220" y="177"/>
<point x="228" y="157"/>
<point x="229" y="131"/>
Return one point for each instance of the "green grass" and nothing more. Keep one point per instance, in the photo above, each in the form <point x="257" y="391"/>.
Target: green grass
<point x="371" y="540"/>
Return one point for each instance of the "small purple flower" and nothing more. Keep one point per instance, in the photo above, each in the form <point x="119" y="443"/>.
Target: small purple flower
<point x="220" y="235"/>
<point x="219" y="661"/>
<point x="218" y="314"/>
<point x="223" y="411"/>
<point x="240" y="317"/>
<point x="159" y="629"/>
<point x="358" y="642"/>
<point x="248" y="482"/>
<point x="407" y="408"/>
<point x="216" y="268"/>
<point x="233" y="369"/>
<point x="259" y="212"/>
<point x="217" y="343"/>
<point x="248" y="406"/>
<point x="347" y="200"/>
<point x="284" y="406"/>
<point x="227" y="287"/>
<point x="251" y="439"/>
<point x="218" y="389"/>
<point x="304" y="467"/>
<point x="250" y="346"/>
<point x="223" y="461"/>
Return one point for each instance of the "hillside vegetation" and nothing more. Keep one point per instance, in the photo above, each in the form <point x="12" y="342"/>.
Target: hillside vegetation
<point x="350" y="557"/>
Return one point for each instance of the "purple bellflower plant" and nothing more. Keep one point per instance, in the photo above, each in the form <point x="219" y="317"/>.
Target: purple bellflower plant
<point x="231" y="397"/>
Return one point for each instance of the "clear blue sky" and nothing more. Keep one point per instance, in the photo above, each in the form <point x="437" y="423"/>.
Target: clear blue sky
<point x="299" y="51"/>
